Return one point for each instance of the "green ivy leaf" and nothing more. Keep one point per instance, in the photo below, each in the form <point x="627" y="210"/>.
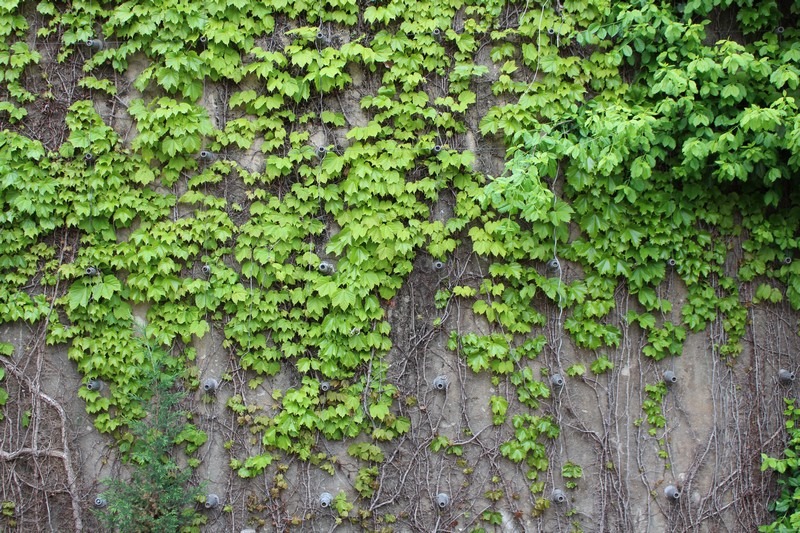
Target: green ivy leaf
<point x="78" y="295"/>
<point x="106" y="288"/>
<point x="576" y="370"/>
<point x="379" y="411"/>
<point x="344" y="299"/>
<point x="601" y="365"/>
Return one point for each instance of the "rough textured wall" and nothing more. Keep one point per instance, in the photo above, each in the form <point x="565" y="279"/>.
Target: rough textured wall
<point x="415" y="246"/>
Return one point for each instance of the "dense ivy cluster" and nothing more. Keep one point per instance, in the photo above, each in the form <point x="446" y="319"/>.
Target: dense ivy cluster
<point x="639" y="146"/>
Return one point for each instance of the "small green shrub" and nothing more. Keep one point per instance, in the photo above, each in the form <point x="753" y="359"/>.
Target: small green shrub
<point x="158" y="496"/>
<point x="787" y="507"/>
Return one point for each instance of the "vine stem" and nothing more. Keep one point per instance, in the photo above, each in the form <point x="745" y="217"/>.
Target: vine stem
<point x="35" y="387"/>
<point x="64" y="454"/>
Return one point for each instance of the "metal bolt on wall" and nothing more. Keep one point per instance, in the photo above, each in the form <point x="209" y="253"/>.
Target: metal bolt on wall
<point x="442" y="500"/>
<point x="210" y="386"/>
<point x="325" y="499"/>
<point x="785" y="376"/>
<point x="212" y="501"/>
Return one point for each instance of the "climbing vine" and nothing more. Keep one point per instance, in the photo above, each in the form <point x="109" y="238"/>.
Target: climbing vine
<point x="272" y="178"/>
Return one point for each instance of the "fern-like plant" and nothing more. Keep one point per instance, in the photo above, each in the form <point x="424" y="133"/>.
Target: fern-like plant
<point x="158" y="495"/>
